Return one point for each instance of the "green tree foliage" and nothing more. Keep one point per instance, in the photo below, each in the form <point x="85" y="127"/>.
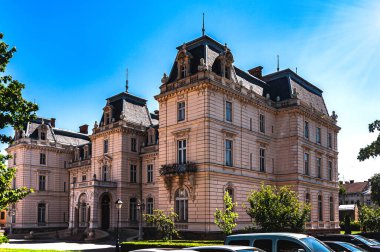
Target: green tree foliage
<point x="226" y="219"/>
<point x="15" y="112"/>
<point x="373" y="149"/>
<point x="375" y="188"/>
<point x="164" y="223"/>
<point x="277" y="209"/>
<point x="342" y="190"/>
<point x="369" y="218"/>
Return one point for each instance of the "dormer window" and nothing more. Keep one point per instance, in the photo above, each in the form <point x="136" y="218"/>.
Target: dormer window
<point x="43" y="135"/>
<point x="183" y="71"/>
<point x="107" y="118"/>
<point x="85" y="153"/>
<point x="227" y="72"/>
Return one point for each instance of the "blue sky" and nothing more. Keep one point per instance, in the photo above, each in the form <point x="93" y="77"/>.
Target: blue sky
<point x="72" y="55"/>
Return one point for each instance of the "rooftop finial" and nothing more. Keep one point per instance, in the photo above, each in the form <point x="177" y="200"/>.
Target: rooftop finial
<point x="278" y="63"/>
<point x="203" y="25"/>
<point x="126" y="82"/>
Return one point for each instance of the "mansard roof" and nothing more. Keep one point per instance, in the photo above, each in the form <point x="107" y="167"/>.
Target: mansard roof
<point x="283" y="83"/>
<point x="53" y="134"/>
<point x="131" y="108"/>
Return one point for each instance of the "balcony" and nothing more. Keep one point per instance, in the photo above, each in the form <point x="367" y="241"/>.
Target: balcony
<point x="79" y="163"/>
<point x="94" y="183"/>
<point x="178" y="169"/>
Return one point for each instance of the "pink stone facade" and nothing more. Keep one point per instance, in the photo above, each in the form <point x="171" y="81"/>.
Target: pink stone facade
<point x="218" y="128"/>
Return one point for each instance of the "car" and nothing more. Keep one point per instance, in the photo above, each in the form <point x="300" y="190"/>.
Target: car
<point x="161" y="250"/>
<point x="278" y="242"/>
<point x="339" y="246"/>
<point x="357" y="240"/>
<point x="225" y="248"/>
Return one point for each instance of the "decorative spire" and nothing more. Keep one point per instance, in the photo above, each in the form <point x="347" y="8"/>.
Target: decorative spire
<point x="126" y="82"/>
<point x="278" y="63"/>
<point x="203" y="25"/>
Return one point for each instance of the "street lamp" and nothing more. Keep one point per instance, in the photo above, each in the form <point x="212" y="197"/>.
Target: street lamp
<point x="118" y="204"/>
<point x="140" y="208"/>
<point x="13" y="213"/>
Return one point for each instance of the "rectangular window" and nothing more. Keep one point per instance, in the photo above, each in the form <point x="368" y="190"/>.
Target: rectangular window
<point x="42" y="183"/>
<point x="43" y="158"/>
<point x="228" y="152"/>
<point x="319" y="167"/>
<point x="306" y="130"/>
<point x="250" y="124"/>
<point x="329" y="140"/>
<point x="181" y="149"/>
<point x="133" y="209"/>
<point x="43" y="135"/>
<point x="64" y="186"/>
<point x="150" y="173"/>
<point x="262" y="123"/>
<point x="41" y="213"/>
<point x="74" y="179"/>
<point x="133" y="174"/>
<point x="105" y="146"/>
<point x="133" y="144"/>
<point x="14" y="159"/>
<point x="228" y="111"/>
<point x="330" y="170"/>
<point x="306" y="164"/>
<point x="181" y="111"/>
<point x="320" y="208"/>
<point x="183" y="71"/>
<point x="318" y="136"/>
<point x="262" y="160"/>
<point x="84" y="177"/>
<point x="149" y="206"/>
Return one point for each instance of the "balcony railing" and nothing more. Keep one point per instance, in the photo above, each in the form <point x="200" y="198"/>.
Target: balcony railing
<point x="95" y="183"/>
<point x="178" y="169"/>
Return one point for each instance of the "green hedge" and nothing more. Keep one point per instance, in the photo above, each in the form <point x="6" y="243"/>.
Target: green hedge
<point x="3" y="239"/>
<point x="355" y="225"/>
<point x="128" y="246"/>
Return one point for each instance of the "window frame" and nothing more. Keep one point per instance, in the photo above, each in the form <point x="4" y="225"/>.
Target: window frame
<point x="262" y="163"/>
<point x="228" y="152"/>
<point x="318" y="135"/>
<point x="181" y="204"/>
<point x="318" y="161"/>
<point x="133" y="173"/>
<point x="149" y="205"/>
<point x="306" y="164"/>
<point x="306" y="129"/>
<point x="43" y="158"/>
<point x="149" y="175"/>
<point x="262" y="123"/>
<point x="133" y="144"/>
<point x="42" y="182"/>
<point x="41" y="213"/>
<point x="105" y="146"/>
<point x="181" y="111"/>
<point x="133" y="209"/>
<point x="228" y="111"/>
<point x="182" y="151"/>
<point x="320" y="208"/>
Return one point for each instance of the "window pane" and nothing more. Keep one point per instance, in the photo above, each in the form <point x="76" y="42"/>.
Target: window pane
<point x="264" y="244"/>
<point x="286" y="246"/>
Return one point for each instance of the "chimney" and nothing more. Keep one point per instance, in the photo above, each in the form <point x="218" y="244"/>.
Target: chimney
<point x="256" y="71"/>
<point x="83" y="129"/>
<point x="52" y="122"/>
<point x="351" y="181"/>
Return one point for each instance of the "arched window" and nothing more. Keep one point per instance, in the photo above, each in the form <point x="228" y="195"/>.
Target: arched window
<point x="83" y="210"/>
<point x="149" y="206"/>
<point x="332" y="209"/>
<point x="181" y="204"/>
<point x="105" y="173"/>
<point x="320" y="209"/>
<point x="41" y="214"/>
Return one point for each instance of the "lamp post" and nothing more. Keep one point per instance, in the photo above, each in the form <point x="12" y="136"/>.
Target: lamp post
<point x="118" y="204"/>
<point x="13" y="213"/>
<point x="140" y="208"/>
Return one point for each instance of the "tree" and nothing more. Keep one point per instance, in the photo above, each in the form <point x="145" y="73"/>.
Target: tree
<point x="226" y="219"/>
<point x="164" y="223"/>
<point x="369" y="218"/>
<point x="373" y="149"/>
<point x="277" y="209"/>
<point x="15" y="112"/>
<point x="375" y="188"/>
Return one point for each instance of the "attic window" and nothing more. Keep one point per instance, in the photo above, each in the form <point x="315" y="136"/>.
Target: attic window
<point x="107" y="118"/>
<point x="183" y="71"/>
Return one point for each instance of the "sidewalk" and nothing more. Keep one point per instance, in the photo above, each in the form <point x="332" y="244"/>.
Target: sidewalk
<point x="55" y="245"/>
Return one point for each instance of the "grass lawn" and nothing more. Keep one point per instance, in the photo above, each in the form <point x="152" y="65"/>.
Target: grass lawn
<point x="352" y="232"/>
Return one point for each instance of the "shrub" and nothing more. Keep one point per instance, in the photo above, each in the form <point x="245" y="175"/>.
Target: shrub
<point x="4" y="239"/>
<point x="226" y="219"/>
<point x="164" y="223"/>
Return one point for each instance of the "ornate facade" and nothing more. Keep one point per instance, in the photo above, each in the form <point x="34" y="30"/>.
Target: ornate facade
<point x="218" y="128"/>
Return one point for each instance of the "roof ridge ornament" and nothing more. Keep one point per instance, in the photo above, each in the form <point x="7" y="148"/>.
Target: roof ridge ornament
<point x="126" y="81"/>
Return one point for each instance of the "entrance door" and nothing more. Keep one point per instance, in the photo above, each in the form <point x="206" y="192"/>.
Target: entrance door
<point x="105" y="212"/>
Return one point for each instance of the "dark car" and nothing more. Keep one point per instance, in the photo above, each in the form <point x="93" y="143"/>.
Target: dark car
<point x="339" y="246"/>
<point x="357" y="240"/>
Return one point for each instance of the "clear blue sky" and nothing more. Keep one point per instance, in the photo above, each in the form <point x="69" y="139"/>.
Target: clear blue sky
<point x="72" y="55"/>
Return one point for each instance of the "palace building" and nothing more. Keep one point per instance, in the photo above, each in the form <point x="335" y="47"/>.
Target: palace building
<point x="219" y="128"/>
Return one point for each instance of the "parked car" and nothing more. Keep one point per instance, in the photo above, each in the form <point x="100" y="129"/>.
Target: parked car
<point x="278" y="242"/>
<point x="357" y="240"/>
<point x="339" y="246"/>
<point x="227" y="248"/>
<point x="161" y="250"/>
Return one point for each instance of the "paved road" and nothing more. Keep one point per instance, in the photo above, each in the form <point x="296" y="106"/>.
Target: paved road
<point x="28" y="244"/>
